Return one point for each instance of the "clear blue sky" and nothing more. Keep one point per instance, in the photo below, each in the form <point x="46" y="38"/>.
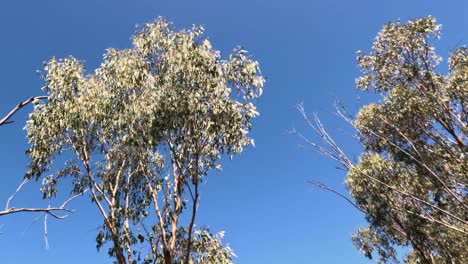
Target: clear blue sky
<point x="306" y="50"/>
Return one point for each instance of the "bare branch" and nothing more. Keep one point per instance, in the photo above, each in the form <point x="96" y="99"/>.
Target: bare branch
<point x="49" y="210"/>
<point x="72" y="198"/>
<point x="20" y="105"/>
<point x="325" y="187"/>
<point x="17" y="190"/>
<point x="331" y="150"/>
<point x="46" y="240"/>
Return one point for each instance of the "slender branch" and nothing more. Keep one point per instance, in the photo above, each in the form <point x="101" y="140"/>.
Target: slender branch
<point x="126" y="221"/>
<point x="20" y="105"/>
<point x="46" y="240"/>
<point x="321" y="150"/>
<point x="431" y="172"/>
<point x="431" y="219"/>
<point x="85" y="159"/>
<point x="72" y="198"/>
<point x="158" y="213"/>
<point x="411" y="196"/>
<point x="17" y="190"/>
<point x="48" y="210"/>
<point x="189" y="189"/>
<point x="336" y="154"/>
<point x="325" y="187"/>
<point x="195" y="182"/>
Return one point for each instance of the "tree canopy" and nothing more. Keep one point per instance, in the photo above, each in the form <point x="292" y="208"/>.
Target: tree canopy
<point x="141" y="133"/>
<point x="411" y="179"/>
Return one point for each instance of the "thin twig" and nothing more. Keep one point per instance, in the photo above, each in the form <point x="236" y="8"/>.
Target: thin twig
<point x="325" y="187"/>
<point x="17" y="190"/>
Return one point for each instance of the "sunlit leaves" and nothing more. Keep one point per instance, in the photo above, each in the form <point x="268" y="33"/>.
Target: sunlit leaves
<point x="145" y="127"/>
<point x="412" y="179"/>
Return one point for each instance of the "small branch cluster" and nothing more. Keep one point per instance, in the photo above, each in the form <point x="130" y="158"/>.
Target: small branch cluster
<point x="50" y="210"/>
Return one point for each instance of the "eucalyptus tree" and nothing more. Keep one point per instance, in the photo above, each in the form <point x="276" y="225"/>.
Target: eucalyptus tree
<point x="141" y="133"/>
<point x="411" y="179"/>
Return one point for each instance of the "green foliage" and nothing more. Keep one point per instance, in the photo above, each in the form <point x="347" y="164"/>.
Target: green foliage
<point x="141" y="132"/>
<point x="412" y="178"/>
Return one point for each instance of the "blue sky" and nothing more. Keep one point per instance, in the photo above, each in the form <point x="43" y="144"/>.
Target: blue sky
<point x="306" y="50"/>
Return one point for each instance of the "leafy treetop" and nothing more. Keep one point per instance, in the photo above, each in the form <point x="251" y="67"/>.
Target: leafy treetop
<point x="141" y="132"/>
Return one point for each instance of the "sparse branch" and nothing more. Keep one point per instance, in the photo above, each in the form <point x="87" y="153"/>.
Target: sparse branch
<point x="320" y="149"/>
<point x="85" y="158"/>
<point x="48" y="210"/>
<point x="52" y="211"/>
<point x="195" y="182"/>
<point x="73" y="197"/>
<point x="335" y="153"/>
<point x="16" y="191"/>
<point x="343" y="113"/>
<point x="152" y="241"/>
<point x="20" y="105"/>
<point x="327" y="188"/>
<point x="331" y="149"/>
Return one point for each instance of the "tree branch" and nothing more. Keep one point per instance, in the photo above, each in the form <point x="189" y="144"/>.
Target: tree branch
<point x="325" y="187"/>
<point x="332" y="151"/>
<point x="195" y="182"/>
<point x="49" y="210"/>
<point x="20" y="105"/>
